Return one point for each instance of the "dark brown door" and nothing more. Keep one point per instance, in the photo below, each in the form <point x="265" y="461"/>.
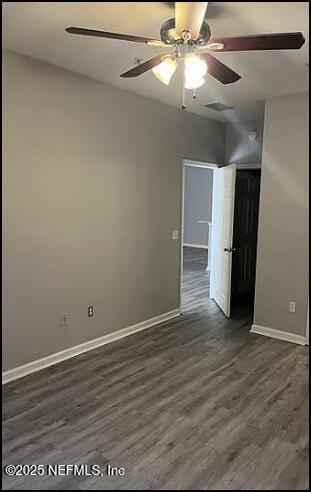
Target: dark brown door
<point x="245" y="230"/>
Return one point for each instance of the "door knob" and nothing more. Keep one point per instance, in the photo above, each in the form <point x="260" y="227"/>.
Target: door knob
<point x="230" y="250"/>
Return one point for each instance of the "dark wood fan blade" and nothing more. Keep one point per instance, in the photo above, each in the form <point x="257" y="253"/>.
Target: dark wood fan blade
<point x="218" y="70"/>
<point x="144" y="67"/>
<point x="280" y="41"/>
<point x="111" y="35"/>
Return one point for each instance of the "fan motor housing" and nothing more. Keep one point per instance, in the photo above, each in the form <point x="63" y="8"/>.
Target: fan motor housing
<point x="169" y="36"/>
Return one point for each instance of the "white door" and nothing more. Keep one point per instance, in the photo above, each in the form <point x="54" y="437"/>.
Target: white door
<point x="222" y="234"/>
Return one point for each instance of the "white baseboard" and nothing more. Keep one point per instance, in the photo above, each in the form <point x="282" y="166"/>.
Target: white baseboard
<point x="280" y="335"/>
<point x="201" y="246"/>
<point x="50" y="360"/>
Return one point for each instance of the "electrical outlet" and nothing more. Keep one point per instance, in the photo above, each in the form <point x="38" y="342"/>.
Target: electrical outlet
<point x="292" y="306"/>
<point x="64" y="319"/>
<point x="90" y="311"/>
<point x="175" y="235"/>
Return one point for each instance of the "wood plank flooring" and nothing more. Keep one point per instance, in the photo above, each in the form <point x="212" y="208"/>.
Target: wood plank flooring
<point x="196" y="280"/>
<point x="197" y="403"/>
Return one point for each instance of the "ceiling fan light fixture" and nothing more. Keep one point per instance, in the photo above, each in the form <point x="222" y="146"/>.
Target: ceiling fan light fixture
<point x="165" y="70"/>
<point x="191" y="84"/>
<point x="195" y="69"/>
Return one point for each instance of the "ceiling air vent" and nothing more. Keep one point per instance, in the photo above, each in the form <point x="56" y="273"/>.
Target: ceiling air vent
<point x="217" y="106"/>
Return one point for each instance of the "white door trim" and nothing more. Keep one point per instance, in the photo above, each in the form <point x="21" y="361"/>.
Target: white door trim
<point x="307" y="327"/>
<point x="189" y="163"/>
<point x="209" y="165"/>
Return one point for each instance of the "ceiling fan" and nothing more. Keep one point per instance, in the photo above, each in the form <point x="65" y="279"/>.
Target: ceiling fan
<point x="190" y="41"/>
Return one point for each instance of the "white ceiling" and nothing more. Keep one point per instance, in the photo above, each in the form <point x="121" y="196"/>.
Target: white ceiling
<point x="37" y="29"/>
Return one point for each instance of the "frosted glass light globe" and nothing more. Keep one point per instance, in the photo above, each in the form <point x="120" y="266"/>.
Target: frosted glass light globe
<point x="195" y="69"/>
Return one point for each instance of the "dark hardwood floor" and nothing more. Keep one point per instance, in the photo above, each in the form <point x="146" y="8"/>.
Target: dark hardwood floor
<point x="194" y="403"/>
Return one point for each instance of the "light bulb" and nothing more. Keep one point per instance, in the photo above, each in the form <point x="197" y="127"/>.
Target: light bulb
<point x="193" y="84"/>
<point x="165" y="70"/>
<point x="195" y="69"/>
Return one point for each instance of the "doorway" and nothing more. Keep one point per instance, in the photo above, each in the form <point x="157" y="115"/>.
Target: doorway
<point x="245" y="232"/>
<point x="221" y="273"/>
<point x="197" y="190"/>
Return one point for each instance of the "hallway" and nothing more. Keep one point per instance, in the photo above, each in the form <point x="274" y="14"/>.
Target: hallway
<point x="196" y="285"/>
<point x="195" y="280"/>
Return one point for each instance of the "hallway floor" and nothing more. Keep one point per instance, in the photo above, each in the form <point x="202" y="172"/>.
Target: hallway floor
<point x="195" y="280"/>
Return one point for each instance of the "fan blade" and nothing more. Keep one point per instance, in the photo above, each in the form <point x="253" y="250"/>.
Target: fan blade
<point x="280" y="41"/>
<point x="158" y="44"/>
<point x="189" y="17"/>
<point x="218" y="70"/>
<point x="144" y="67"/>
<point x="111" y="35"/>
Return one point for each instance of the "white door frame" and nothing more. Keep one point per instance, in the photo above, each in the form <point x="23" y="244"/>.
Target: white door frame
<point x="208" y="165"/>
<point x="184" y="164"/>
<point x="307" y="327"/>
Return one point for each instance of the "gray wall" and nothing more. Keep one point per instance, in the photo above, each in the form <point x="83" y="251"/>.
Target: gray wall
<point x="239" y="149"/>
<point x="92" y="191"/>
<point x="197" y="204"/>
<point x="282" y="263"/>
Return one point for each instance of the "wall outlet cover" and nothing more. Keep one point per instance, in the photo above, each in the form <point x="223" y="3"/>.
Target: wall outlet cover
<point x="292" y="306"/>
<point x="175" y="235"/>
